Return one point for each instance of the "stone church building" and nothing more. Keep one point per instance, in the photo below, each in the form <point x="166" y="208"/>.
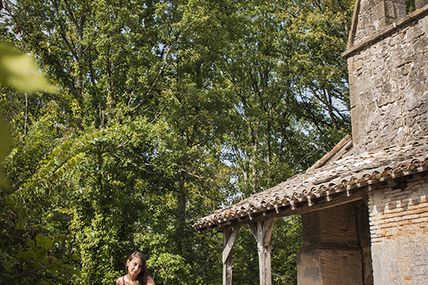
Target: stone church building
<point x="364" y="205"/>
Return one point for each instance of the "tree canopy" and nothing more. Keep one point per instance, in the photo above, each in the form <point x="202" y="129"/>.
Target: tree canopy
<point x="163" y="111"/>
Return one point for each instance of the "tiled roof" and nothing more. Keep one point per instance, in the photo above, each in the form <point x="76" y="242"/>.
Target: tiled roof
<point x="348" y="173"/>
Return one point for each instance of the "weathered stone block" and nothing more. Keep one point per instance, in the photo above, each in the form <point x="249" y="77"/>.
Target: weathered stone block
<point x="420" y="3"/>
<point x="325" y="246"/>
<point x="393" y="74"/>
<point x="320" y="267"/>
<point x="400" y="261"/>
<point x="379" y="11"/>
<point x="398" y="226"/>
<point x="395" y="9"/>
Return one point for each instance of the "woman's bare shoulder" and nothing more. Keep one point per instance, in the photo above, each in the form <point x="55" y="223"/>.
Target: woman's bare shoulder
<point x="119" y="281"/>
<point x="150" y="281"/>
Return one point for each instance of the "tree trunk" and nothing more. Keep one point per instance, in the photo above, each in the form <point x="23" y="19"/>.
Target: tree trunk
<point x="181" y="215"/>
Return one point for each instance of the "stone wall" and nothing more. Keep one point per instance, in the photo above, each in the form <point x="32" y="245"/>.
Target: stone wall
<point x="399" y="234"/>
<point x="375" y="15"/>
<point x="332" y="237"/>
<point x="420" y="3"/>
<point x="388" y="88"/>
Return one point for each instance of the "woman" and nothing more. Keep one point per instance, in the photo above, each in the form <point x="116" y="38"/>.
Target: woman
<point x="136" y="271"/>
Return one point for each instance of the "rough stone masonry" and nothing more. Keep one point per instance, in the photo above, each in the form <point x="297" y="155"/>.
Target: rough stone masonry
<point x="388" y="79"/>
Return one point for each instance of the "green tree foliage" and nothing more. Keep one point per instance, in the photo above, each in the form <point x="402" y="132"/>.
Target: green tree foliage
<point x="20" y="72"/>
<point x="166" y="111"/>
<point x="289" y="86"/>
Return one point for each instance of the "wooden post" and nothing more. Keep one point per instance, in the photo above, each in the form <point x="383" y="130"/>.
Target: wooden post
<point x="262" y="232"/>
<point x="230" y="235"/>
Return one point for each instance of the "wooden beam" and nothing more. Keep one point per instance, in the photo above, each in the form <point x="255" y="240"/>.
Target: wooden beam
<point x="262" y="232"/>
<point x="229" y="234"/>
<point x="343" y="199"/>
<point x="337" y="199"/>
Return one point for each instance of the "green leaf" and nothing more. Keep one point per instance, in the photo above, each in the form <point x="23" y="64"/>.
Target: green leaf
<point x="20" y="71"/>
<point x="45" y="242"/>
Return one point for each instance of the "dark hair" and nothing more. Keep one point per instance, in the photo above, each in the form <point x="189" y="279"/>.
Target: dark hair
<point x="142" y="276"/>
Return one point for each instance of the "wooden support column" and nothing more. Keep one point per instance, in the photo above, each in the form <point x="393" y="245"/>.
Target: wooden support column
<point x="229" y="235"/>
<point x="262" y="232"/>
